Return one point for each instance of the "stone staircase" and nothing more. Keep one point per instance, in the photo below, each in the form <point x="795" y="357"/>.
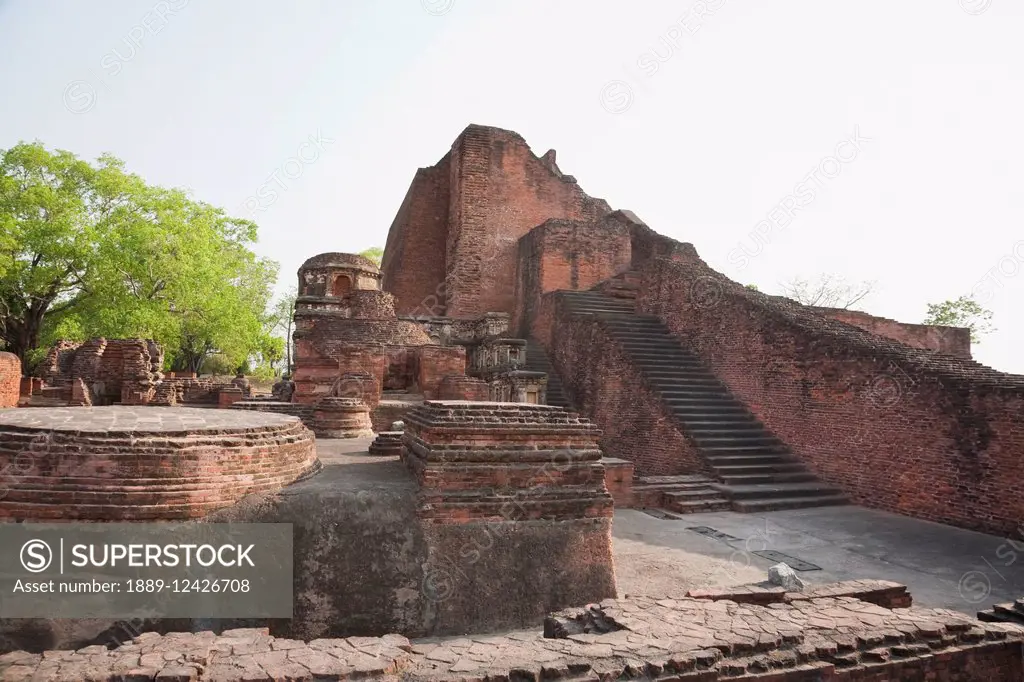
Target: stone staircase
<point x="537" y="361"/>
<point x="686" y="494"/>
<point x="1012" y="612"/>
<point x="755" y="470"/>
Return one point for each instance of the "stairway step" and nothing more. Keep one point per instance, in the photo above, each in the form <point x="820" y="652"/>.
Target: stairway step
<point x="766" y="459"/>
<point x="778" y="503"/>
<point x="704" y="493"/>
<point x="759" y="469"/>
<point x="758" y="438"/>
<point x="764" y="491"/>
<point x="699" y="506"/>
<point x="779" y="477"/>
<point x="712" y="428"/>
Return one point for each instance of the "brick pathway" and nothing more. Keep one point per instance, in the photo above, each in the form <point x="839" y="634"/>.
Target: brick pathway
<point x="129" y="419"/>
<point x="659" y="638"/>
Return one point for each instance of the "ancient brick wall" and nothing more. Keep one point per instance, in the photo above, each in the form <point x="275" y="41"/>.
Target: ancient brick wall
<point x="949" y="340"/>
<point x="608" y="389"/>
<point x="567" y="254"/>
<point x="463" y="388"/>
<point x="435" y="363"/>
<point x="452" y="248"/>
<point x="414" y="263"/>
<point x="10" y="379"/>
<point x="900" y="429"/>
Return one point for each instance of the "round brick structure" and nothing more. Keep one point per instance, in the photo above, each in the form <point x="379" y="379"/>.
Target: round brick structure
<point x="126" y="463"/>
<point x="341" y="418"/>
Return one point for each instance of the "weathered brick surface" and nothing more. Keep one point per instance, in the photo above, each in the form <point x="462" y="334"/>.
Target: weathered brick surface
<point x="568" y="254"/>
<point x="455" y="387"/>
<point x="685" y="640"/>
<point x="514" y="511"/>
<point x="341" y="418"/>
<point x="437" y="362"/>
<point x="606" y="387"/>
<point x="414" y="263"/>
<point x="949" y="340"/>
<point x="144" y="463"/>
<point x="497" y="190"/>
<point x="106" y="371"/>
<point x="618" y="479"/>
<point x="883" y="593"/>
<point x="948" y="430"/>
<point x="10" y="379"/>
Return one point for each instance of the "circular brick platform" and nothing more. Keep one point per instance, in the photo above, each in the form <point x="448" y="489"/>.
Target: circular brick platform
<point x="125" y="463"/>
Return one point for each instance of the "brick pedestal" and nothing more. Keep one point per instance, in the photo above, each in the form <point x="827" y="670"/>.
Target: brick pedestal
<point x="514" y="508"/>
<point x="341" y="418"/>
<point x="227" y="397"/>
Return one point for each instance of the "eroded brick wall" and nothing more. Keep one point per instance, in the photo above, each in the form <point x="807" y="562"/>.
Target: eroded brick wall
<point x="934" y="437"/>
<point x="413" y="266"/>
<point x="452" y="247"/>
<point x="10" y="379"/>
<point x="949" y="340"/>
<point x="609" y="390"/>
<point x="437" y="362"/>
<point x="568" y="254"/>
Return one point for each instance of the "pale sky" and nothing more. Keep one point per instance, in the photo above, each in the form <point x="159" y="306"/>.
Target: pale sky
<point x="701" y="125"/>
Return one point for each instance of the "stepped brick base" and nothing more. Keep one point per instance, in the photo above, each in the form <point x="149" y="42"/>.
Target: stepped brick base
<point x="341" y="418"/>
<point x="122" y="463"/>
<point x="515" y="511"/>
<point x="684" y="640"/>
<point x="387" y="444"/>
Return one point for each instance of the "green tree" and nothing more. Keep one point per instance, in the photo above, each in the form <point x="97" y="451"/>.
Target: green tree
<point x="962" y="312"/>
<point x="374" y="253"/>
<point x="282" y="318"/>
<point x="92" y="250"/>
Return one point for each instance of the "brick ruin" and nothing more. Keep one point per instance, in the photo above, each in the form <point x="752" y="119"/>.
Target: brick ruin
<point x="715" y="393"/>
<point x="104" y="371"/>
<point x="837" y="633"/>
<point x="550" y="358"/>
<point x="10" y="379"/>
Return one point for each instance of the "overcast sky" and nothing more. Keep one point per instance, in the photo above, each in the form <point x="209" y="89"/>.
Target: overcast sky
<point x="893" y="128"/>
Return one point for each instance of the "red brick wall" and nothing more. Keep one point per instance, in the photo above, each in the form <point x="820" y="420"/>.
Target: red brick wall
<point x="414" y="256"/>
<point x="10" y="379"/>
<point x="610" y="391"/>
<point x="435" y="363"/>
<point x="950" y="340"/>
<point x="455" y="387"/>
<point x="933" y="437"/>
<point x="452" y="247"/>
<point x="568" y="254"/>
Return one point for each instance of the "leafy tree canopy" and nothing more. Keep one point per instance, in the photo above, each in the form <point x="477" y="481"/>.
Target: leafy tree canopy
<point x="91" y="250"/>
<point x="374" y="253"/>
<point x="962" y="312"/>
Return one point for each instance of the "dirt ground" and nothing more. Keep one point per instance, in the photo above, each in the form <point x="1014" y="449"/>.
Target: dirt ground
<point x="648" y="570"/>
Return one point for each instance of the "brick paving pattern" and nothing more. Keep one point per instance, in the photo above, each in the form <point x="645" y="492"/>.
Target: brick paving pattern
<point x="679" y="639"/>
